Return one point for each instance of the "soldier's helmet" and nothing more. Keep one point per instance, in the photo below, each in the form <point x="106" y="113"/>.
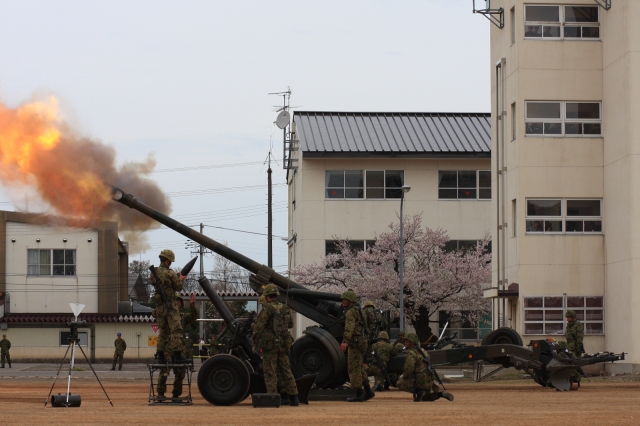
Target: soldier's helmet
<point x="570" y="313"/>
<point x="168" y="254"/>
<point x="271" y="290"/>
<point x="369" y="303"/>
<point x="401" y="334"/>
<point x="383" y="336"/>
<point x="350" y="295"/>
<point x="412" y="337"/>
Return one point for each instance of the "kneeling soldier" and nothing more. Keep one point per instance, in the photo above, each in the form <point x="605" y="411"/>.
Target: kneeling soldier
<point x="417" y="376"/>
<point x="273" y="340"/>
<point x="384" y="351"/>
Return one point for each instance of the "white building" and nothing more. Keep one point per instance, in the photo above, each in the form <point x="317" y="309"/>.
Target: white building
<point x="348" y="168"/>
<point x="565" y="174"/>
<point x="44" y="266"/>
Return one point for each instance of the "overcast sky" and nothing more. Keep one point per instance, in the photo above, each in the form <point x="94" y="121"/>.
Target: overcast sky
<point x="188" y="81"/>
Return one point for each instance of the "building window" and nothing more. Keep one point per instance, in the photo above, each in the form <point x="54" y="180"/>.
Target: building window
<point x="331" y="246"/>
<point x="512" y="15"/>
<point x="564" y="216"/>
<point x="453" y="245"/>
<point x="513" y="122"/>
<point x="514" y="217"/>
<point x="464" y="184"/>
<point x="51" y="262"/>
<point x="64" y="336"/>
<point x="569" y="119"/>
<point x="553" y="22"/>
<point x="363" y="184"/>
<point x="546" y="315"/>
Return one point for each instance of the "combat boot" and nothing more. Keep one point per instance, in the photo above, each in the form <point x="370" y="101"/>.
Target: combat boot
<point x="10" y="367"/>
<point x="446" y="395"/>
<point x="368" y="393"/>
<point x="294" y="401"/>
<point x="161" y="396"/>
<point x="2" y="366"/>
<point x="358" y="397"/>
<point x="418" y="395"/>
<point x="284" y="399"/>
<point x="113" y="368"/>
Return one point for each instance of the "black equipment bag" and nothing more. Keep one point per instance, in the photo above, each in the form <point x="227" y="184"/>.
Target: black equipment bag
<point x="265" y="400"/>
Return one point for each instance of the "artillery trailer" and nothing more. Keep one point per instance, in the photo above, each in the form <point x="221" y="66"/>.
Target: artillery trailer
<point x="316" y="358"/>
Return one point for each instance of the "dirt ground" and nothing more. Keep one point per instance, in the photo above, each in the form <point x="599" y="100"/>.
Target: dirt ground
<point x="496" y="403"/>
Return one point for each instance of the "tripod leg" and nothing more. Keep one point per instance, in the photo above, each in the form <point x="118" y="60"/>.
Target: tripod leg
<point x="73" y="355"/>
<point x="57" y="375"/>
<point x="94" y="373"/>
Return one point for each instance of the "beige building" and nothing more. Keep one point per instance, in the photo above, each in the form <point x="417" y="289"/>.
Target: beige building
<point x="346" y="171"/>
<point x="565" y="170"/>
<point x="44" y="266"/>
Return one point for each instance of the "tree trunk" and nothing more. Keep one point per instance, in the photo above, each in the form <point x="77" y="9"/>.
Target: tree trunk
<point x="421" y="324"/>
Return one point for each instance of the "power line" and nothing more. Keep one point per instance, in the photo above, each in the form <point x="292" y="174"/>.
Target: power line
<point x="213" y="166"/>
<point x="219" y="190"/>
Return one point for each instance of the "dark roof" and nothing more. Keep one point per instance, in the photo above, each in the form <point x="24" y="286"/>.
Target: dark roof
<point x="229" y="294"/>
<point x="397" y="134"/>
<point x="63" y="318"/>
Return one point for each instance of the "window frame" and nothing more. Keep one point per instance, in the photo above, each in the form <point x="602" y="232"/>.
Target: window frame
<point x="344" y="188"/>
<point x="51" y="263"/>
<point x="457" y="188"/>
<point x="564" y="309"/>
<point x="562" y="23"/>
<point x="563" y="217"/>
<point x="563" y="120"/>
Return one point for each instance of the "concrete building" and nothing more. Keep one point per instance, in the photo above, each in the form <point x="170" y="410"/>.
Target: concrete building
<point x="348" y="169"/>
<point x="46" y="264"/>
<point x="565" y="171"/>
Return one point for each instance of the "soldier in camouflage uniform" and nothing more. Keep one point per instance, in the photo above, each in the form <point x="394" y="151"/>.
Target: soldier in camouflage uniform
<point x="214" y="347"/>
<point x="355" y="342"/>
<point x="574" y="334"/>
<point x="179" y="373"/>
<point x="385" y="351"/>
<point x="417" y="376"/>
<point x="118" y="355"/>
<point x="272" y="339"/>
<point x="399" y="344"/>
<point x="5" y="345"/>
<point x="169" y="323"/>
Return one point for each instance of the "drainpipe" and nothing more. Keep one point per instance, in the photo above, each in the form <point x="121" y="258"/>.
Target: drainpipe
<point x="500" y="190"/>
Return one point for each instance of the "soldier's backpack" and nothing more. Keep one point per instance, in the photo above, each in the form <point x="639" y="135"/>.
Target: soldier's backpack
<point x="373" y="317"/>
<point x="281" y="318"/>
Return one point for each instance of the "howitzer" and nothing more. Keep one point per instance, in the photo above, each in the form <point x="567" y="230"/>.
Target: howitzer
<point x="159" y="288"/>
<point x="318" y="351"/>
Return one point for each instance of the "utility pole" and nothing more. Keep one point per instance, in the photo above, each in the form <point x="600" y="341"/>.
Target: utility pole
<point x="270" y="219"/>
<point x="201" y="327"/>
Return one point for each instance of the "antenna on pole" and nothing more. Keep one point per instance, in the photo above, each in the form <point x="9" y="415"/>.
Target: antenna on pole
<point x="283" y="121"/>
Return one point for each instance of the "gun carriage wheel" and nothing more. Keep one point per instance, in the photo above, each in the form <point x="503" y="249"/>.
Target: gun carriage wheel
<point x="309" y="356"/>
<point x="224" y="380"/>
<point x="502" y="336"/>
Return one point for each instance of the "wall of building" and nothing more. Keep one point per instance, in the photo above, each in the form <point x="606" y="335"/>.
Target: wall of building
<point x="603" y="70"/>
<point x="35" y="343"/>
<point x="51" y="294"/>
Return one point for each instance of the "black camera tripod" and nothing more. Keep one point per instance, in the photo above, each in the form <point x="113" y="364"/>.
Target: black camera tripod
<point x="70" y="400"/>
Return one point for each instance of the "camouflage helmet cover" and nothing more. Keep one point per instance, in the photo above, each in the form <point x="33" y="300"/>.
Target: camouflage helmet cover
<point x="369" y="303"/>
<point x="412" y="337"/>
<point x="570" y="313"/>
<point x="167" y="254"/>
<point x="350" y="295"/>
<point x="383" y="336"/>
<point x="401" y="334"/>
<point x="271" y="290"/>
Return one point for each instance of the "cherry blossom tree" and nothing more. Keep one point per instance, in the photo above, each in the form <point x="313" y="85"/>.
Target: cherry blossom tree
<point x="434" y="279"/>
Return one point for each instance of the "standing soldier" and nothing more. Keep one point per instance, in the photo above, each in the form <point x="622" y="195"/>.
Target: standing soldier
<point x="383" y="350"/>
<point x="271" y="331"/>
<point x="169" y="322"/>
<point x="355" y="342"/>
<point x="373" y="317"/>
<point x="417" y="376"/>
<point x="5" y="345"/>
<point x="214" y="347"/>
<point x="118" y="355"/>
<point x="179" y="373"/>
<point x="574" y="336"/>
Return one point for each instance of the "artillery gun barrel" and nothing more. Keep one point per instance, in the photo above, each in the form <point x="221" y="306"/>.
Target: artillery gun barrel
<point x="224" y="251"/>
<point x="217" y="301"/>
<point x="311" y="294"/>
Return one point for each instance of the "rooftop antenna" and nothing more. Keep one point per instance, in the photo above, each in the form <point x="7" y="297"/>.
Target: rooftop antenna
<point x="72" y="400"/>
<point x="283" y="121"/>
